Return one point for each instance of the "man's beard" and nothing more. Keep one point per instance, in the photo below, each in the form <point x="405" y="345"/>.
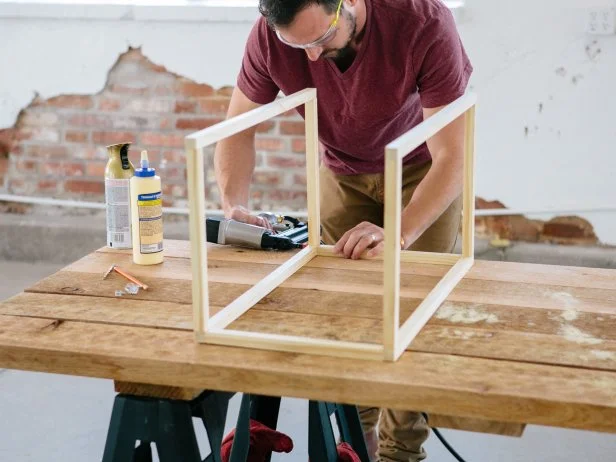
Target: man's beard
<point x="347" y="51"/>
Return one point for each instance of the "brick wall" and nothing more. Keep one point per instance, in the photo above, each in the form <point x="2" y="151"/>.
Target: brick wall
<point x="566" y="230"/>
<point x="57" y="146"/>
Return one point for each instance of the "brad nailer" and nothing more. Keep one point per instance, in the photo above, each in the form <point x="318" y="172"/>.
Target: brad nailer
<point x="287" y="233"/>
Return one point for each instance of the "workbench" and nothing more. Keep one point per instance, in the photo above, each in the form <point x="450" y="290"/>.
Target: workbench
<point x="513" y="344"/>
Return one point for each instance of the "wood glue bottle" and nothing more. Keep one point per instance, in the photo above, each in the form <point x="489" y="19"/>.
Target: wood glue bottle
<point x="146" y="213"/>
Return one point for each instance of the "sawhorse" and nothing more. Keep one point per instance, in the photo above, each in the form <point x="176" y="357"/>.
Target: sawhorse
<point x="168" y="423"/>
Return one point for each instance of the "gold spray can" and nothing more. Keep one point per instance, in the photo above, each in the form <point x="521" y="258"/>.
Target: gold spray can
<point x="118" y="173"/>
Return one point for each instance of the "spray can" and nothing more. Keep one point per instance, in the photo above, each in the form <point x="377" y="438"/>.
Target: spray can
<point x="146" y="214"/>
<point x="118" y="173"/>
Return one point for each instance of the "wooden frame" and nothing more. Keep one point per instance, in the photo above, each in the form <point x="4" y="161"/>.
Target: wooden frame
<point x="213" y="329"/>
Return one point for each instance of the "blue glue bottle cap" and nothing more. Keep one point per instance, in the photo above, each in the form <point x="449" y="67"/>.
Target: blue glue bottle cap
<point x="145" y="170"/>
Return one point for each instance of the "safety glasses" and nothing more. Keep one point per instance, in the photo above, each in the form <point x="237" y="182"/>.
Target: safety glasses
<point x="321" y="40"/>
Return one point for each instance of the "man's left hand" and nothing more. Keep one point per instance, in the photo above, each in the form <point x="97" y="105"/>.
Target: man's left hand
<point x="364" y="236"/>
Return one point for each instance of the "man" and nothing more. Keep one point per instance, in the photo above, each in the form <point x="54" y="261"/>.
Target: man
<point x="380" y="67"/>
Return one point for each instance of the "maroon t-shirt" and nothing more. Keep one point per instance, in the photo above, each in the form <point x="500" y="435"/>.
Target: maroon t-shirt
<point x="411" y="56"/>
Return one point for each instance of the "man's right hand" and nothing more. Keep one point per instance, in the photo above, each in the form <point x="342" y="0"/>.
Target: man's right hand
<point x="240" y="213"/>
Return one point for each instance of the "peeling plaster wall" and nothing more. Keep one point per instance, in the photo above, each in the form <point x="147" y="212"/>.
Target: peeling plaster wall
<point x="54" y="57"/>
<point x="546" y="131"/>
<point x="547" y="110"/>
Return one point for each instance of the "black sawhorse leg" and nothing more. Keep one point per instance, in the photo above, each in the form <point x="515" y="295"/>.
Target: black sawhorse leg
<point x="321" y="441"/>
<point x="168" y="424"/>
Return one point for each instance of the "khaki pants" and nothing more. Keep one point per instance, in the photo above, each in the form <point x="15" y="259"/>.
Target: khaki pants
<point x="346" y="201"/>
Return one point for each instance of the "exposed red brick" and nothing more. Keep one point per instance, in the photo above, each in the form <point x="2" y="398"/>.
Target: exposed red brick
<point x="559" y="230"/>
<point x="195" y="90"/>
<point x="17" y="186"/>
<point x="71" y="101"/>
<point x="47" y="185"/>
<point x="84" y="186"/>
<point x="195" y="124"/>
<point x="513" y="227"/>
<point x="4" y="165"/>
<point x="164" y="90"/>
<point x="214" y="106"/>
<point x="298" y="145"/>
<point x="569" y="230"/>
<point x="280" y="195"/>
<point x="174" y="190"/>
<point x="286" y="161"/>
<point x="7" y="141"/>
<point x="74" y="136"/>
<point x="299" y="179"/>
<point x="185" y="106"/>
<point x="256" y="195"/>
<point x="135" y="122"/>
<point x="62" y="168"/>
<point x="134" y="156"/>
<point x="86" y="151"/>
<point x="175" y="155"/>
<point x="166" y="123"/>
<point x="523" y="229"/>
<point x="38" y="134"/>
<point x="48" y="151"/>
<point x="269" y="178"/>
<point x="38" y="119"/>
<point x="292" y="128"/>
<point x="485" y="204"/>
<point x="269" y="144"/>
<point x="109" y="104"/>
<point x="96" y="169"/>
<point x="259" y="159"/>
<point x="91" y="120"/>
<point x="225" y="91"/>
<point x="128" y="90"/>
<point x="26" y="166"/>
<point x="108" y="138"/>
<point x="164" y="140"/>
<point x="144" y="105"/>
<point x="158" y="68"/>
<point x="266" y="127"/>
<point x="173" y="172"/>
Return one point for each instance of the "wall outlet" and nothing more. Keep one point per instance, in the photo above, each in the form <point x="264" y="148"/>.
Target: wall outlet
<point x="601" y="21"/>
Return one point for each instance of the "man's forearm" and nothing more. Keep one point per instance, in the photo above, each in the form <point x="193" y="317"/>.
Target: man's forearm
<point x="438" y="189"/>
<point x="234" y="163"/>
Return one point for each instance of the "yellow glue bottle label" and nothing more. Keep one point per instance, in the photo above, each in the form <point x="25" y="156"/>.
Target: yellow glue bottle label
<point x="149" y="209"/>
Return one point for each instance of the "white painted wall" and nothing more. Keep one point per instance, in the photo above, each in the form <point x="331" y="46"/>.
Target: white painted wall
<point x="526" y="53"/>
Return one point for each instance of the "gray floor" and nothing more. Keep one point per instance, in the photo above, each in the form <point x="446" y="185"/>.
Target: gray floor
<point x="53" y="417"/>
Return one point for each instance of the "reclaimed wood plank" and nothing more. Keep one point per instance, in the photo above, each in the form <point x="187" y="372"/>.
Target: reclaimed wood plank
<point x="530" y="273"/>
<point x="357" y="282"/>
<point x="156" y="391"/>
<point x="477" y="425"/>
<point x="585" y="342"/>
<point x="434" y="383"/>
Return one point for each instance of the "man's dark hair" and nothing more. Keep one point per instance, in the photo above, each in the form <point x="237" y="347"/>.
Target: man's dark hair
<point x="280" y="13"/>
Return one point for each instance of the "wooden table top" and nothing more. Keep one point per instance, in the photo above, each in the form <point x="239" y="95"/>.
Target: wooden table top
<point x="512" y="343"/>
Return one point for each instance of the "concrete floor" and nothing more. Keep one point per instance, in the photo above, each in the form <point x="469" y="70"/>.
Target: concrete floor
<point x="54" y="417"/>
